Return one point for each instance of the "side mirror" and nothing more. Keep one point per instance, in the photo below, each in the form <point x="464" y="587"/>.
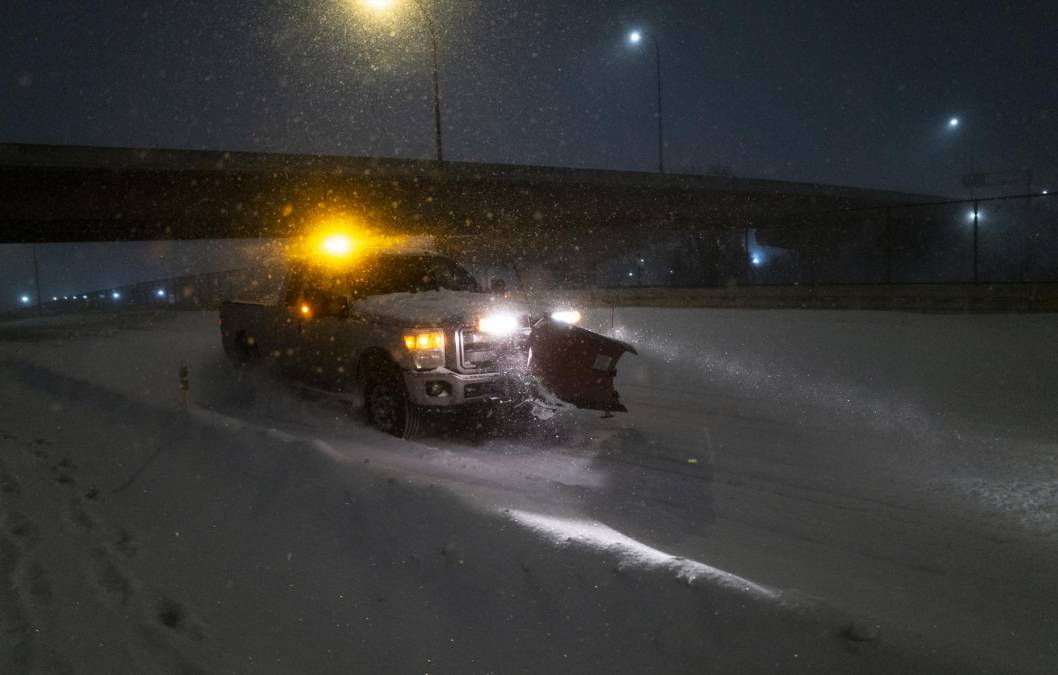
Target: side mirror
<point x="498" y="286"/>
<point x="325" y="305"/>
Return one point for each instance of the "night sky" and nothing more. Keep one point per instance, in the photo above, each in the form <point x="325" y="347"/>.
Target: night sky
<point x="837" y="92"/>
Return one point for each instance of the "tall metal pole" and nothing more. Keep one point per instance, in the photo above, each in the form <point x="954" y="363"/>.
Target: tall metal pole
<point x="888" y="246"/>
<point x="36" y="282"/>
<point x="748" y="257"/>
<point x="976" y="218"/>
<point x="431" y="28"/>
<point x="661" y="130"/>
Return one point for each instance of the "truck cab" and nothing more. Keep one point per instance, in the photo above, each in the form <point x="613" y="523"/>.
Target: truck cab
<point x="414" y="335"/>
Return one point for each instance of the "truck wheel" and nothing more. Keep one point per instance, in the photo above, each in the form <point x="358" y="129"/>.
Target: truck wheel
<point x="388" y="407"/>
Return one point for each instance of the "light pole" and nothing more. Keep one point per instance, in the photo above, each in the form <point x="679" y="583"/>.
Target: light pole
<point x="954" y="124"/>
<point x="431" y="30"/>
<point x="635" y="38"/>
<point x="36" y="282"/>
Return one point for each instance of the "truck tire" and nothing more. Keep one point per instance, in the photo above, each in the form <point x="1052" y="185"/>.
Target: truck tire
<point x="388" y="407"/>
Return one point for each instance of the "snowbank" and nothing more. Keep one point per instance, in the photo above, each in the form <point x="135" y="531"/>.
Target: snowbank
<point x="145" y="540"/>
<point x="269" y="532"/>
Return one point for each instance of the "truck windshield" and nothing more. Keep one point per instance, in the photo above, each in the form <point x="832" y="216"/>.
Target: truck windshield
<point x="415" y="273"/>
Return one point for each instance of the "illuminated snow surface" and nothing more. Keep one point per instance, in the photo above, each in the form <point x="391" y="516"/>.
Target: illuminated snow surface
<point x="792" y="490"/>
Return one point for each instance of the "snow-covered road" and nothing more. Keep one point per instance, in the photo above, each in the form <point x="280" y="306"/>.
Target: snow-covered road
<point x="811" y="469"/>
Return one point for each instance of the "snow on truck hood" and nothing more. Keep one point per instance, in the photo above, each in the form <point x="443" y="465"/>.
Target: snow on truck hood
<point x="436" y="307"/>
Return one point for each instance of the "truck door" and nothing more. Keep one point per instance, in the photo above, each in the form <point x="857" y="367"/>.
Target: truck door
<point x="326" y="328"/>
<point x="577" y="365"/>
<point x="289" y="354"/>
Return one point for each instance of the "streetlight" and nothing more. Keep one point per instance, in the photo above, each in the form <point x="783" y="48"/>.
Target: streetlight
<point x="24" y="299"/>
<point x="431" y="29"/>
<point x="953" y="122"/>
<point x="635" y="38"/>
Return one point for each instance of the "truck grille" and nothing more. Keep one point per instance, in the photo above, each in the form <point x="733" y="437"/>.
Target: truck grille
<point x="479" y="352"/>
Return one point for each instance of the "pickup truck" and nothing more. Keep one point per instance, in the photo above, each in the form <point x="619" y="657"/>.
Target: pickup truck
<point x="413" y="335"/>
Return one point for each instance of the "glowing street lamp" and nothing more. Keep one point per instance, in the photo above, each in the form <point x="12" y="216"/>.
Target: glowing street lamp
<point x="431" y="29"/>
<point x="635" y="38"/>
<point x="24" y="299"/>
<point x="953" y="122"/>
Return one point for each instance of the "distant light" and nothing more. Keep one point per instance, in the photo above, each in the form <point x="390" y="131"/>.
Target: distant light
<point x="757" y="259"/>
<point x="1044" y="192"/>
<point x="631" y="274"/>
<point x="953" y="122"/>
<point x="24" y="299"/>
<point x="635" y="37"/>
<point x="975" y="215"/>
<point x="54" y="299"/>
<point x="641" y="261"/>
<point x="116" y="295"/>
<point x="84" y="297"/>
<point x="65" y="297"/>
<point x="160" y="292"/>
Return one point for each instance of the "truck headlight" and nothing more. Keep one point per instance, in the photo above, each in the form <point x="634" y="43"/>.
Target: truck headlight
<point x="566" y="316"/>
<point x="427" y="348"/>
<point x="498" y="324"/>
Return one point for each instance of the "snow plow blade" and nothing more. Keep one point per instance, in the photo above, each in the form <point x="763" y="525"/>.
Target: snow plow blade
<point x="577" y="365"/>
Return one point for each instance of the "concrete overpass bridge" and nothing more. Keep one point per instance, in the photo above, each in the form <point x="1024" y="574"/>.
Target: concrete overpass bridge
<point x="567" y="225"/>
<point x="74" y="193"/>
<point x="583" y="216"/>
